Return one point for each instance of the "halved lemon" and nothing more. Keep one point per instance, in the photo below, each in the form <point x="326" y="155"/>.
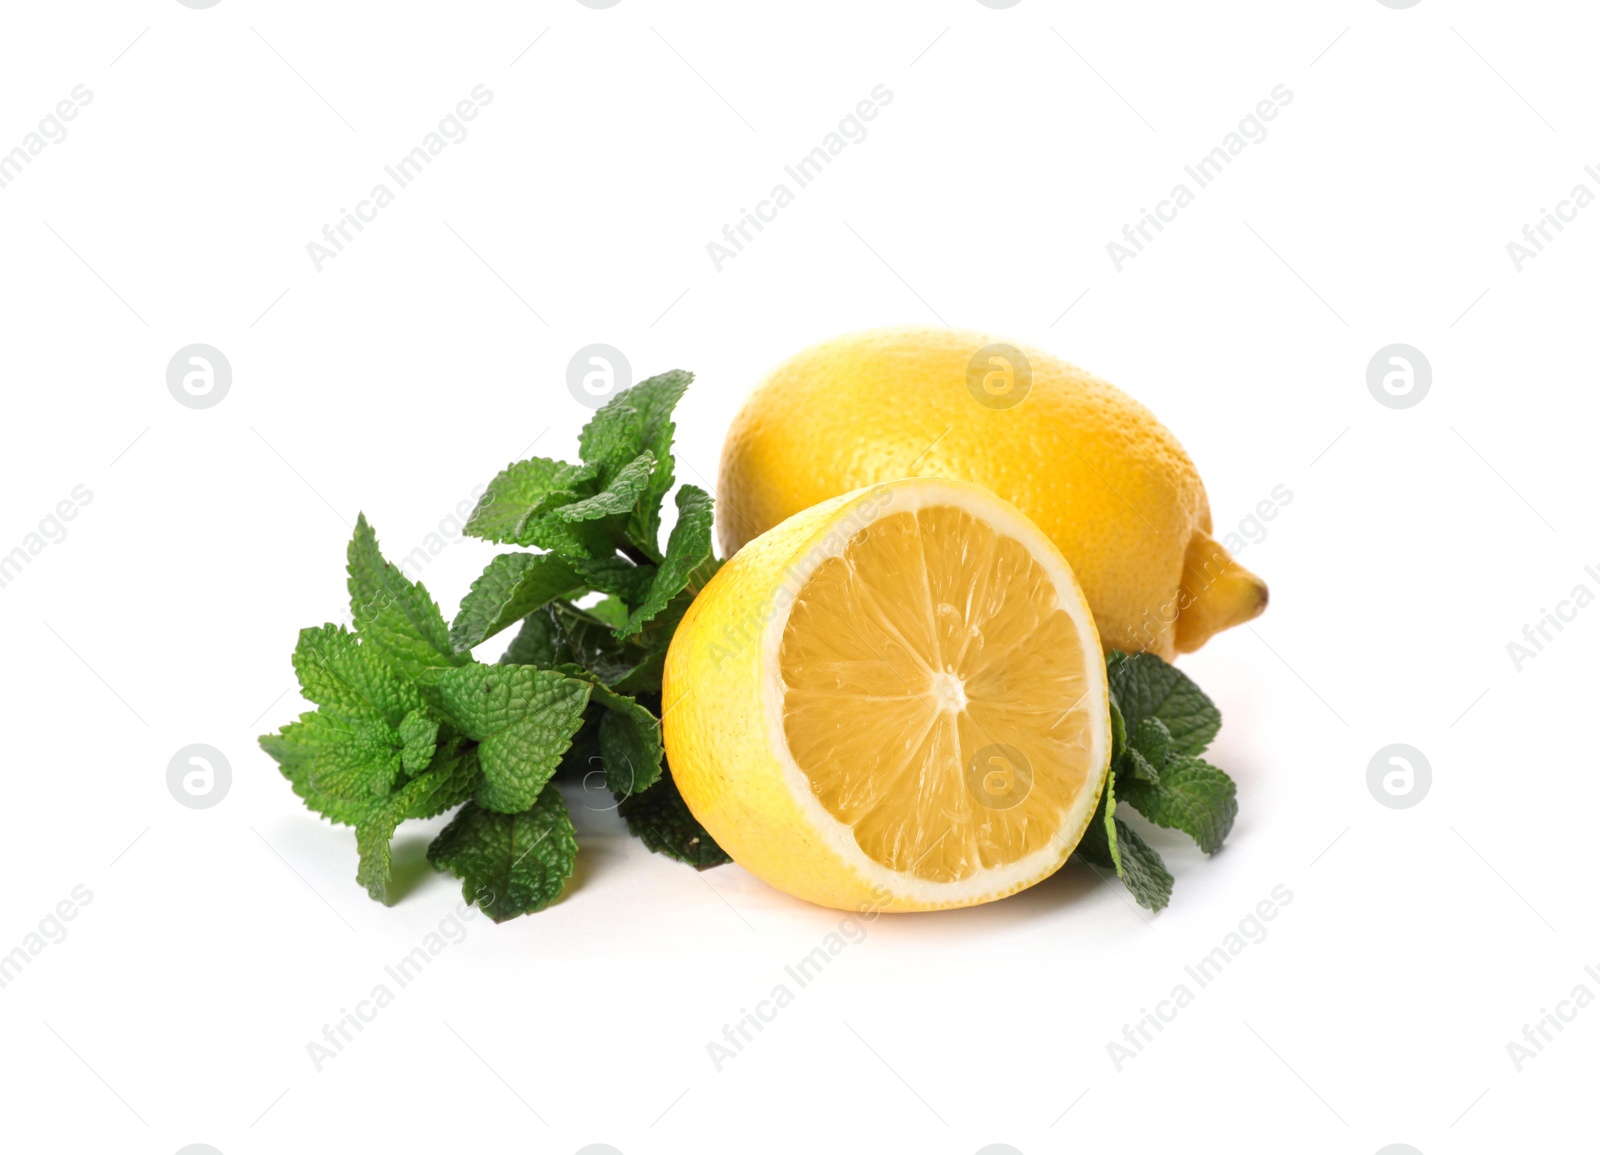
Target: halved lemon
<point x="894" y="700"/>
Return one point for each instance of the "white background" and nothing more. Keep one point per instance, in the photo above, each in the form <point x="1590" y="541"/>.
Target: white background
<point x="1418" y="543"/>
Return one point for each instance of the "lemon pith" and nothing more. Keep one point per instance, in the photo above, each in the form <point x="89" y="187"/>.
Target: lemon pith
<point x="1094" y="469"/>
<point x="894" y="700"/>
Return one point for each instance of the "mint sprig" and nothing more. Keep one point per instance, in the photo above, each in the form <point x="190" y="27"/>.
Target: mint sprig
<point x="408" y="725"/>
<point x="1161" y="723"/>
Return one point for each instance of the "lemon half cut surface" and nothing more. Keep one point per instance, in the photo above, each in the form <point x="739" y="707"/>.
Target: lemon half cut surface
<point x="894" y="700"/>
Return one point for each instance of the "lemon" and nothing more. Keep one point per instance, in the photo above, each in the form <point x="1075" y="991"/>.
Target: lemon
<point x="1089" y="465"/>
<point x="894" y="700"/>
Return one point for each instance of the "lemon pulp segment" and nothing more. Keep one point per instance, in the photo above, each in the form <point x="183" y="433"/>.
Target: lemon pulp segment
<point x="935" y="696"/>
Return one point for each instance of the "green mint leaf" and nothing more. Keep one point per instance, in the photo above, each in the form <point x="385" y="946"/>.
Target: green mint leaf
<point x="631" y="423"/>
<point x="419" y="736"/>
<point x="1146" y="687"/>
<point x="561" y="634"/>
<point x="1153" y="740"/>
<point x="348" y="680"/>
<point x="630" y="738"/>
<point x="1111" y="844"/>
<point x="374" y="836"/>
<point x="520" y="507"/>
<point x="620" y="493"/>
<point x="510" y="588"/>
<point x="523" y="720"/>
<point x="619" y="577"/>
<point x="394" y="615"/>
<point x="509" y="864"/>
<point x="1137" y="767"/>
<point x="316" y="763"/>
<point x="688" y="548"/>
<point x="1119" y="731"/>
<point x="446" y="784"/>
<point x="451" y="779"/>
<point x="539" y="642"/>
<point x="1190" y="795"/>
<point x="1141" y="869"/>
<point x="353" y="749"/>
<point x="1098" y="844"/>
<point x="661" y="819"/>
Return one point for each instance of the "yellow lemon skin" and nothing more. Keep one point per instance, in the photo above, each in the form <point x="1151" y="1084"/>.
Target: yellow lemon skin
<point x="1089" y="465"/>
<point x="717" y="687"/>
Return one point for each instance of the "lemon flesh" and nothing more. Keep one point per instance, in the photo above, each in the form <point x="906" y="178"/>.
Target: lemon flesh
<point x="920" y="720"/>
<point x="934" y="695"/>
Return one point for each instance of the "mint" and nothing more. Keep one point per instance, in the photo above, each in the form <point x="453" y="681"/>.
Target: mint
<point x="1190" y="795"/>
<point x="394" y="615"/>
<point x="520" y="505"/>
<point x="1147" y="687"/>
<point x="688" y="548"/>
<point x="509" y="864"/>
<point x="1141" y="869"/>
<point x="511" y="588"/>
<point x="408" y="725"/>
<point x="1160" y="724"/>
<point x="523" y="720"/>
<point x="419" y="737"/>
<point x="662" y="819"/>
<point x="629" y="738"/>
<point x="632" y="423"/>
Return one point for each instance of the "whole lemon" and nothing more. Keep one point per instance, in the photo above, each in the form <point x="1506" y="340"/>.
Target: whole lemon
<point x="1094" y="469"/>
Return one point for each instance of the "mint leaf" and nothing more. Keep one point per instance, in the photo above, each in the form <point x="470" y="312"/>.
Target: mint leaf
<point x="1111" y="844"/>
<point x="394" y="615"/>
<point x="1098" y="844"/>
<point x="630" y="738"/>
<point x="1152" y="739"/>
<point x="509" y="864"/>
<point x="374" y="838"/>
<point x="1137" y="767"/>
<point x="523" y="720"/>
<point x="619" y="494"/>
<point x="313" y="760"/>
<point x="352" y="750"/>
<point x="618" y="576"/>
<point x="1146" y="687"/>
<point x="661" y="819"/>
<point x="347" y="680"/>
<point x="688" y="548"/>
<point x="1141" y="868"/>
<point x="419" y="736"/>
<point x="446" y="784"/>
<point x="631" y="423"/>
<point x="560" y="633"/>
<point x="1190" y="795"/>
<point x="510" y="588"/>
<point x="520" y="507"/>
